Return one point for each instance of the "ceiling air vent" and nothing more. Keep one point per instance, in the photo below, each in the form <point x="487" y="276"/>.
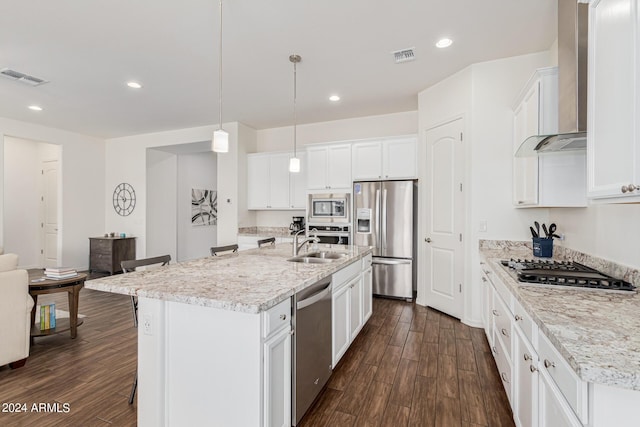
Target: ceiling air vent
<point x="21" y="77"/>
<point x="404" y="55"/>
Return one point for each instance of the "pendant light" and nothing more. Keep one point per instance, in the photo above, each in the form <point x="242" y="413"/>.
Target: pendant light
<point x="220" y="143"/>
<point x="294" y="162"/>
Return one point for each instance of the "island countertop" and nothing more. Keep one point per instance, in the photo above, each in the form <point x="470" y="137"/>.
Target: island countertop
<point x="248" y="281"/>
<point x="595" y="331"/>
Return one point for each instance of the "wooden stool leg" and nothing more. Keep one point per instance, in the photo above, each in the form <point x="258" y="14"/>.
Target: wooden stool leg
<point x="18" y="363"/>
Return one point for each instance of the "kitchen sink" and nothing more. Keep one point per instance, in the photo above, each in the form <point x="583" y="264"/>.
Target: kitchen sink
<point x="310" y="260"/>
<point x="322" y="257"/>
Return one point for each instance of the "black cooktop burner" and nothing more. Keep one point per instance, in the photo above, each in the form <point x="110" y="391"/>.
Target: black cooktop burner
<point x="565" y="273"/>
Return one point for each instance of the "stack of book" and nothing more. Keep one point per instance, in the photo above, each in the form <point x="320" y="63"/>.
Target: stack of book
<point x="59" y="272"/>
<point x="47" y="317"/>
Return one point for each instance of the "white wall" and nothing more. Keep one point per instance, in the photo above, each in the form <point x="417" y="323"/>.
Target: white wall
<point x="162" y="191"/>
<point x="281" y="139"/>
<point x="126" y="162"/>
<point x="81" y="195"/>
<point x="484" y="93"/>
<point x="194" y="171"/>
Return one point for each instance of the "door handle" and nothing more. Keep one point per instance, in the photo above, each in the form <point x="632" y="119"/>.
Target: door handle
<point x="428" y="240"/>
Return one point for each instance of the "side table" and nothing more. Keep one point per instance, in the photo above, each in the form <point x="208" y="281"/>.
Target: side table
<point x="106" y="253"/>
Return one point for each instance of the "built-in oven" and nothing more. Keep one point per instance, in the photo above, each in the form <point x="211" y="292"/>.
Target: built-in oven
<point x="331" y="234"/>
<point x="329" y="208"/>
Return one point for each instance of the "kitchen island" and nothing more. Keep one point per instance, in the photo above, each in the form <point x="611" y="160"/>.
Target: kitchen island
<point x="215" y="334"/>
<point x="566" y="356"/>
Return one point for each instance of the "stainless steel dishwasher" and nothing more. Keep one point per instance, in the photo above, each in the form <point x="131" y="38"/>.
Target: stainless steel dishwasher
<point x="311" y="346"/>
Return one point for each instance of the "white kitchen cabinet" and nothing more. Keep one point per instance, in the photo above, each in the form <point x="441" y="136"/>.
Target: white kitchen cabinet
<point x="553" y="411"/>
<point x="277" y="379"/>
<point x="270" y="185"/>
<point x="341" y="322"/>
<point x="367" y="294"/>
<point x="550" y="179"/>
<point x="613" y="137"/>
<point x="390" y="158"/>
<point x="356" y="319"/>
<point x="525" y="376"/>
<point x="329" y="167"/>
<point x="487" y="307"/>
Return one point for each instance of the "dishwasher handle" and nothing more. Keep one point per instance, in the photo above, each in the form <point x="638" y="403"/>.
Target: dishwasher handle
<point x="314" y="298"/>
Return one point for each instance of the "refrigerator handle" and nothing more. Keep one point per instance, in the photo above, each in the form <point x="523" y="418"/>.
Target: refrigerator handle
<point x="376" y="226"/>
<point x="383" y="222"/>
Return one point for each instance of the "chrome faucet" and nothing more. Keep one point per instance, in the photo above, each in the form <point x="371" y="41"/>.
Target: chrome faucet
<point x="297" y="247"/>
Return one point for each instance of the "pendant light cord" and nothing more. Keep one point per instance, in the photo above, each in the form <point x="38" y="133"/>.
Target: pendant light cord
<point x="220" y="71"/>
<point x="295" y="117"/>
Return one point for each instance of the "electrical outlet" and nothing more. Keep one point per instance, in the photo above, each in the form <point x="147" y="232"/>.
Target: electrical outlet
<point x="482" y="227"/>
<point x="147" y="324"/>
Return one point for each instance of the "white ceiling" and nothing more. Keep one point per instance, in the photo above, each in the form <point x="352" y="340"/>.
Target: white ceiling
<point x="88" y="50"/>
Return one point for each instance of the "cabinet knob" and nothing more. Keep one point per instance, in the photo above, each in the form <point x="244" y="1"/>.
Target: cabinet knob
<point x="494" y="349"/>
<point x="484" y="279"/>
<point x="532" y="368"/>
<point x="504" y="332"/>
<point x="527" y="356"/>
<point x="630" y="188"/>
<point x="517" y="317"/>
<point x="549" y="364"/>
<point x="495" y="312"/>
<point x="283" y="317"/>
<point x="428" y="240"/>
<point x="504" y="377"/>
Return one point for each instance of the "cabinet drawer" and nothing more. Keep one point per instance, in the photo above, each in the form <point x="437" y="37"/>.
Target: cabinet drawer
<point x="504" y="367"/>
<point x="366" y="262"/>
<point x="277" y="317"/>
<point x="525" y="323"/>
<point x="572" y="387"/>
<point x="101" y="246"/>
<point x="502" y="322"/>
<point x="344" y="276"/>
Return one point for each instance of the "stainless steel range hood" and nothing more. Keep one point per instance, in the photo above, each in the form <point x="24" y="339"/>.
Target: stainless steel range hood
<point x="573" y="24"/>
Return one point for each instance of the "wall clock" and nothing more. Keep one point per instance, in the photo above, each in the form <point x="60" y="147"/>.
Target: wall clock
<point x="124" y="199"/>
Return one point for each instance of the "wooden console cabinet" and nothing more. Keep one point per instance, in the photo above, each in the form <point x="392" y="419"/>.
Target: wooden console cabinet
<point x="106" y="253"/>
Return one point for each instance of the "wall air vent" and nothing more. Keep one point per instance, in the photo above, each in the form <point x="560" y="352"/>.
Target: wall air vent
<point x="404" y="55"/>
<point x="21" y="77"/>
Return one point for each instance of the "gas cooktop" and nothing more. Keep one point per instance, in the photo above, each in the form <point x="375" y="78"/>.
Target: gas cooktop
<point x="566" y="274"/>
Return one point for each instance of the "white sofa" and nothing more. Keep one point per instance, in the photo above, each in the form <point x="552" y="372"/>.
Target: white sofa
<point x="15" y="312"/>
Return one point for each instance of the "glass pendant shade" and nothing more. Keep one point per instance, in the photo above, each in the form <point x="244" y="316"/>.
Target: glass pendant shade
<point x="220" y="141"/>
<point x="294" y="164"/>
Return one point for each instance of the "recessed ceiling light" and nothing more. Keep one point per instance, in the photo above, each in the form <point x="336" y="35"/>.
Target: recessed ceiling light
<point x="134" y="85"/>
<point x="35" y="108"/>
<point x="334" y="98"/>
<point x="442" y="43"/>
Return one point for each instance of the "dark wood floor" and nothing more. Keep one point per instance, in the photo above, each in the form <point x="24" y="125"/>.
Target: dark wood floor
<point x="413" y="366"/>
<point x="409" y="366"/>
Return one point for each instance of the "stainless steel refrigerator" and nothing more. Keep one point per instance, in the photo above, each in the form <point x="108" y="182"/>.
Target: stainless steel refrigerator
<point x="384" y="217"/>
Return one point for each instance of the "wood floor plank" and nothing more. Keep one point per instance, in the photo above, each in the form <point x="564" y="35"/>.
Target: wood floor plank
<point x="447" y="376"/>
<point x="400" y="334"/>
<point x="375" y="404"/>
<point x="498" y="409"/>
<point x="407" y="314"/>
<point x="355" y="394"/>
<point x="479" y="340"/>
<point x="404" y="383"/>
<point x="345" y="371"/>
<point x="390" y="324"/>
<point x="378" y="347"/>
<point x="465" y="355"/>
<point x="447" y="412"/>
<point x="341" y="419"/>
<point x="389" y="364"/>
<point x="471" y="400"/>
<point x="447" y="341"/>
<point x="322" y="410"/>
<point x="396" y="416"/>
<point x="488" y="372"/>
<point x="462" y="331"/>
<point x="418" y="322"/>
<point x="412" y="346"/>
<point x="431" y="331"/>
<point x="423" y="405"/>
<point x="428" y="366"/>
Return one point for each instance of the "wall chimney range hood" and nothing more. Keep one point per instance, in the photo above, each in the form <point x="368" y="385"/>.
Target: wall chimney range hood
<point x="573" y="18"/>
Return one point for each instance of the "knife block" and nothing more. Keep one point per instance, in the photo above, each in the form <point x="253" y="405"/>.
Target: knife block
<point x="543" y="247"/>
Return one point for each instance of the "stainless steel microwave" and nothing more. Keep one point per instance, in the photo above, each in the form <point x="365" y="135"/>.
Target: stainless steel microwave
<point x="328" y="208"/>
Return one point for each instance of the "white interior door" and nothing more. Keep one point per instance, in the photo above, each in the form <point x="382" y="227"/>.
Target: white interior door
<point x="444" y="263"/>
<point x="49" y="209"/>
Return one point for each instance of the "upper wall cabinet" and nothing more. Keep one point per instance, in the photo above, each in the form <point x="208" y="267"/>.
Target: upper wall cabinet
<point x="545" y="180"/>
<point x="394" y="158"/>
<point x="271" y="186"/>
<point x="613" y="137"/>
<point x="329" y="167"/>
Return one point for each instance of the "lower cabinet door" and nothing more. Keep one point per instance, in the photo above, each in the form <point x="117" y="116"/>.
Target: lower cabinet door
<point x="277" y="380"/>
<point x="553" y="410"/>
<point x="341" y="323"/>
<point x="525" y="362"/>
<point x="356" y="312"/>
<point x="367" y="294"/>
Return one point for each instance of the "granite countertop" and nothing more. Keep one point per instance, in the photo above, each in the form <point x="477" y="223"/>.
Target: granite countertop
<point x="248" y="281"/>
<point x="597" y="332"/>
